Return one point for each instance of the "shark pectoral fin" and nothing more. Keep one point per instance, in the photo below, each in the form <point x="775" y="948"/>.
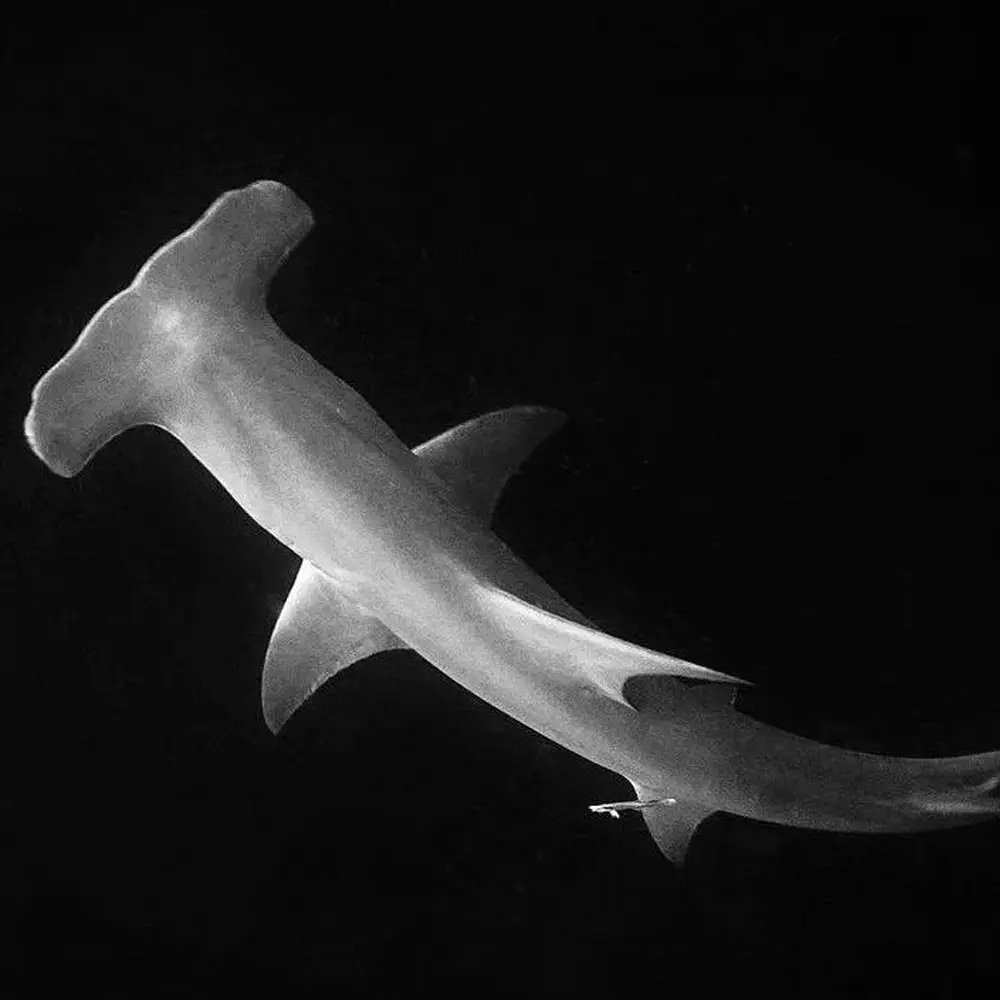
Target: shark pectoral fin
<point x="477" y="458"/>
<point x="318" y="633"/>
<point x="606" y="661"/>
<point x="672" y="822"/>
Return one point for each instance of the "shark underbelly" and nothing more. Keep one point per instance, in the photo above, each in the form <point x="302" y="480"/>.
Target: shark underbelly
<point x="437" y="615"/>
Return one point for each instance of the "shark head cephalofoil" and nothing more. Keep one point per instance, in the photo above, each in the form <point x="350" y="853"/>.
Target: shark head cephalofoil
<point x="199" y="286"/>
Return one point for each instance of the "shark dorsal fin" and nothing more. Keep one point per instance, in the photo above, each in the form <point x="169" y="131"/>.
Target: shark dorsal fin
<point x="320" y="631"/>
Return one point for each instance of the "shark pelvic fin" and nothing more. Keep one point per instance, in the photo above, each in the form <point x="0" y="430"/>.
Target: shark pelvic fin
<point x="712" y="697"/>
<point x="606" y="661"/>
<point x="672" y="822"/>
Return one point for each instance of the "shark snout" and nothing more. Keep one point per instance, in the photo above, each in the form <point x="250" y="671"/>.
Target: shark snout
<point x="195" y="294"/>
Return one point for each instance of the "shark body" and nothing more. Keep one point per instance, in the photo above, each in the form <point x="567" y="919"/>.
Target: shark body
<point x="397" y="551"/>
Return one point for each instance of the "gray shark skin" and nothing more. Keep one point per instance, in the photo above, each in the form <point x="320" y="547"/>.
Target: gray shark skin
<point x="397" y="550"/>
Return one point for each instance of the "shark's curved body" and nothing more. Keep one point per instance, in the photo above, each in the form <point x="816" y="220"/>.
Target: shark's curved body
<point x="397" y="550"/>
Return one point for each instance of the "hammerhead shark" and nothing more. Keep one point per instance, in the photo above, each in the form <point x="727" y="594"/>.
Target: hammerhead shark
<point x="397" y="550"/>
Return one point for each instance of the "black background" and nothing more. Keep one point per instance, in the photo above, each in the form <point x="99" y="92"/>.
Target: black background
<point x="743" y="253"/>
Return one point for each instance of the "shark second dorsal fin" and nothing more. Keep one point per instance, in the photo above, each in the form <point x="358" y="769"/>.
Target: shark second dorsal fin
<point x="606" y="661"/>
<point x="319" y="631"/>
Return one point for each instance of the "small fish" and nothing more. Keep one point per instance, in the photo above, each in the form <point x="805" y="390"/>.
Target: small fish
<point x="397" y="550"/>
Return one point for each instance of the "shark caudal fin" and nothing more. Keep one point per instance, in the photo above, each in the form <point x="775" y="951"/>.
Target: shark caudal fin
<point x="952" y="790"/>
<point x="139" y="344"/>
<point x="320" y="632"/>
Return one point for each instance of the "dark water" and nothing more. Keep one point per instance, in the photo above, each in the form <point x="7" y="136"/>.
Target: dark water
<point x="744" y="256"/>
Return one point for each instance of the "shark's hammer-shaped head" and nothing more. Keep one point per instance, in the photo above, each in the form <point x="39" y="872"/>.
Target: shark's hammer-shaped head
<point x="206" y="284"/>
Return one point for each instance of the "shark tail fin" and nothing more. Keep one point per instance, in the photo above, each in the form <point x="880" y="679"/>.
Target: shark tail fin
<point x="956" y="789"/>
